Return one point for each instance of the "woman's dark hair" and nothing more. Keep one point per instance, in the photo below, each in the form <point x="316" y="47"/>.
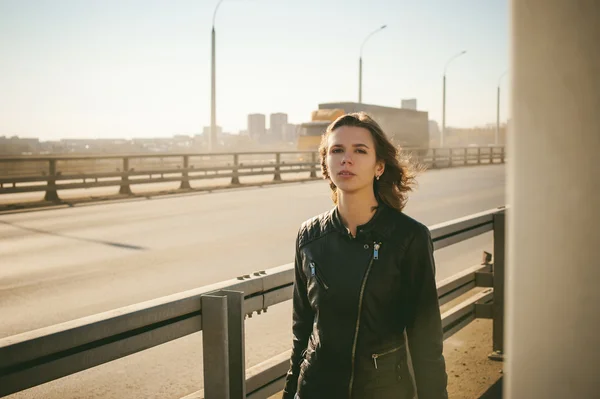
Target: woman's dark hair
<point x="399" y="174"/>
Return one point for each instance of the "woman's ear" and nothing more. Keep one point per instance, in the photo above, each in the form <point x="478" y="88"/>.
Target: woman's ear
<point x="380" y="168"/>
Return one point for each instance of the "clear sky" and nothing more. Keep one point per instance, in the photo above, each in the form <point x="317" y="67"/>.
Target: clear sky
<point x="141" y="68"/>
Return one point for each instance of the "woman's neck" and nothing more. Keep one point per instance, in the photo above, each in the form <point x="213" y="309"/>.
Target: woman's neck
<point x="356" y="208"/>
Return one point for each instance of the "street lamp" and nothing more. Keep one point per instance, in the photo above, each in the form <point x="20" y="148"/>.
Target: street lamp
<point x="212" y="137"/>
<point x="444" y="97"/>
<point x="360" y="63"/>
<point x="498" y="111"/>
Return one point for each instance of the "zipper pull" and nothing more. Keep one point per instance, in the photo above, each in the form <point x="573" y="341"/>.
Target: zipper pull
<point x="376" y="247"/>
<point x="375" y="360"/>
<point x="312" y="269"/>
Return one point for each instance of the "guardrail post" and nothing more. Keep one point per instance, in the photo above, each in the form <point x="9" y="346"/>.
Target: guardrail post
<point x="502" y="155"/>
<point x="125" y="189"/>
<point x="466" y="156"/>
<point x="450" y="155"/>
<point x="479" y="155"/>
<point x="185" y="181"/>
<point x="498" y="269"/>
<point x="277" y="176"/>
<point x="313" y="166"/>
<point x="235" y="179"/>
<point x="51" y="194"/>
<point x="433" y="164"/>
<point x="223" y="345"/>
<point x="491" y="154"/>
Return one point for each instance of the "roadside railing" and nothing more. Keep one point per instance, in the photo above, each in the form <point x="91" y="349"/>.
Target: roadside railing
<point x="55" y="173"/>
<point x="218" y="310"/>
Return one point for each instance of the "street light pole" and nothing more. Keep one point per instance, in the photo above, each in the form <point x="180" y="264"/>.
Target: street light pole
<point x="496" y="139"/>
<point x="212" y="137"/>
<point x="444" y="97"/>
<point x="360" y="62"/>
<point x="360" y="79"/>
<point x="443" y="111"/>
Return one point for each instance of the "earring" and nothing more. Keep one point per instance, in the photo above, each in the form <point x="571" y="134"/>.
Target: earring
<point x="377" y="177"/>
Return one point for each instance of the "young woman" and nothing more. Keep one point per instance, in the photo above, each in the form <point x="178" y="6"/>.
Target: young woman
<point x="365" y="280"/>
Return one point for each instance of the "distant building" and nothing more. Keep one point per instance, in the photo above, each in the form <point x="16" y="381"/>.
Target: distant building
<point x="410" y="103"/>
<point x="206" y="131"/>
<point x="257" y="126"/>
<point x="290" y="132"/>
<point x="16" y="145"/>
<point x="276" y="126"/>
<point x="434" y="129"/>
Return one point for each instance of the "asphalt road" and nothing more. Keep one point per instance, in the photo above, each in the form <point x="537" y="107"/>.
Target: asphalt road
<point x="62" y="264"/>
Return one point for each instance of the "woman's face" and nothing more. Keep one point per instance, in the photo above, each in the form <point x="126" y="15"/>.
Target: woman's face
<point x="351" y="159"/>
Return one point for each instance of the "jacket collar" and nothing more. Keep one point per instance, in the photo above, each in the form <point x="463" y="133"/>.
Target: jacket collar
<point x="379" y="227"/>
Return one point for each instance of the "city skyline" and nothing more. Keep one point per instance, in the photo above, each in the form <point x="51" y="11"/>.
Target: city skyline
<point x="204" y="131"/>
<point x="142" y="69"/>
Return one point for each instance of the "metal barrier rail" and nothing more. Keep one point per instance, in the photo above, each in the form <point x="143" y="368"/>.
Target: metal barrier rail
<point x="36" y="357"/>
<point x="51" y="174"/>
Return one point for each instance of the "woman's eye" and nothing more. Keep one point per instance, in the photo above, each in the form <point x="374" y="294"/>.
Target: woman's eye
<point x="336" y="150"/>
<point x="361" y="151"/>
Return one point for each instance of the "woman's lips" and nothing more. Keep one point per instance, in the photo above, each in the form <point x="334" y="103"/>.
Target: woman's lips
<point x="346" y="173"/>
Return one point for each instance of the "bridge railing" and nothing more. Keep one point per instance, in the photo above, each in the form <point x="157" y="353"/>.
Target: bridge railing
<point x="54" y="173"/>
<point x="37" y="357"/>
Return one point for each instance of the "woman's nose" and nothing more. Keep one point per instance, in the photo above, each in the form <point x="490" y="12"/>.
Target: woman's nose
<point x="346" y="159"/>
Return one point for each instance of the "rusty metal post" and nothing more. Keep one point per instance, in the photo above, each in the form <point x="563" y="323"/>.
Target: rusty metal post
<point x="235" y="179"/>
<point x="223" y="347"/>
<point x="185" y="179"/>
<point x="498" y="272"/>
<point x="51" y="194"/>
<point x="125" y="189"/>
<point x="277" y="176"/>
<point x="313" y="166"/>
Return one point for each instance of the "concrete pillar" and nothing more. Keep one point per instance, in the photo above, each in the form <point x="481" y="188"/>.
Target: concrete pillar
<point x="553" y="271"/>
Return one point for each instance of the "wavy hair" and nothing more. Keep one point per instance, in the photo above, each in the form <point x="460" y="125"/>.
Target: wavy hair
<point x="399" y="175"/>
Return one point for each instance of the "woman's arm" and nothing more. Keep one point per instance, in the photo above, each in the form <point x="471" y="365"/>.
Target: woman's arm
<point x="302" y="324"/>
<point x="424" y="329"/>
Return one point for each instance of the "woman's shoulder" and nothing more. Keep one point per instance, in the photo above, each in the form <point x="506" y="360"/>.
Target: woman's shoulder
<point x="315" y="227"/>
<point x="411" y="235"/>
<point x="407" y="226"/>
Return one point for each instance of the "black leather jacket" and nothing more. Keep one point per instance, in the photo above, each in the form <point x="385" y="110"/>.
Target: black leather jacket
<point x="356" y="303"/>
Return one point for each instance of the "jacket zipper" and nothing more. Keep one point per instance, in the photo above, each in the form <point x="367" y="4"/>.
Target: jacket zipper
<point x="360" y="301"/>
<point x="313" y="272"/>
<point x="377" y="355"/>
<point x="376" y="246"/>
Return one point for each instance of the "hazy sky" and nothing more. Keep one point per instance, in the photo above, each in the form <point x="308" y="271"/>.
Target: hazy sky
<point x="141" y="68"/>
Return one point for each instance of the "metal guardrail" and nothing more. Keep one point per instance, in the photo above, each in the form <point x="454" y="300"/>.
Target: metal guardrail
<point x="36" y="357"/>
<point x="54" y="173"/>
